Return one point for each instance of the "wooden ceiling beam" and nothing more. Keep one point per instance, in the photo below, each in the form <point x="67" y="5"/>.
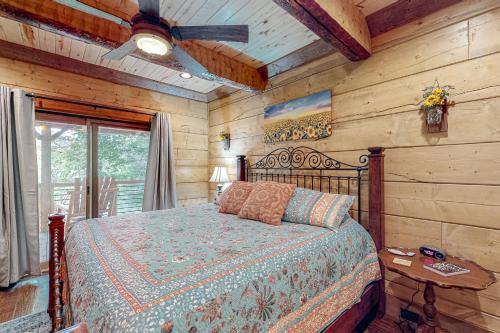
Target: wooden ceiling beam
<point x="303" y="56"/>
<point x="402" y="12"/>
<point x="54" y="17"/>
<point x="125" y="9"/>
<point x="338" y="22"/>
<point x="227" y="71"/>
<point x="38" y="57"/>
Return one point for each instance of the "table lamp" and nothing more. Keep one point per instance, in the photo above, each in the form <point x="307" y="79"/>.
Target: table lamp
<point x="220" y="177"/>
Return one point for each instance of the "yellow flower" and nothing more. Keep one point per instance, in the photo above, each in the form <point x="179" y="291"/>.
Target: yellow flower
<point x="428" y="101"/>
<point x="437" y="91"/>
<point x="433" y="100"/>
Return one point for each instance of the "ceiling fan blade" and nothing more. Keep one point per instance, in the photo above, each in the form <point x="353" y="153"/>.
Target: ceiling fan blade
<point x="122" y="51"/>
<point x="150" y="7"/>
<point x="190" y="64"/>
<point x="222" y="33"/>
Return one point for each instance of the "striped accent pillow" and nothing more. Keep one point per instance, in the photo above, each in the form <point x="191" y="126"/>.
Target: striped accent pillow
<point x="317" y="208"/>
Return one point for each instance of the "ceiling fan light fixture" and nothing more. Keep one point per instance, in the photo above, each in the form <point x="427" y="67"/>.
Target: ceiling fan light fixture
<point x="185" y="75"/>
<point x="152" y="44"/>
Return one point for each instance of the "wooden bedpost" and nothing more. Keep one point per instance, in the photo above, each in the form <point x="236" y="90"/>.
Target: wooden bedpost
<point x="376" y="195"/>
<point x="56" y="241"/>
<point x="241" y="167"/>
<point x="375" y="207"/>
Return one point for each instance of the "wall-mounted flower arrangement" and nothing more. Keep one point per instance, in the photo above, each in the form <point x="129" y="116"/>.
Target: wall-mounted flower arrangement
<point x="226" y="138"/>
<point x="435" y="107"/>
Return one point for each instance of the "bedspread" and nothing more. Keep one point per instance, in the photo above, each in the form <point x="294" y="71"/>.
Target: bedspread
<point x="196" y="270"/>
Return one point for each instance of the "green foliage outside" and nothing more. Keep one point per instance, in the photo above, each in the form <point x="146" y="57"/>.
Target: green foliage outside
<point x="121" y="154"/>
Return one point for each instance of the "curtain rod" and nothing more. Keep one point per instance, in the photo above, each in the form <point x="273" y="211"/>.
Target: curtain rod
<point x="95" y="106"/>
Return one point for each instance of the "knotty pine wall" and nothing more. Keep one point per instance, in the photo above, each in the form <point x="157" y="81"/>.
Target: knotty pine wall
<point x="440" y="189"/>
<point x="189" y="118"/>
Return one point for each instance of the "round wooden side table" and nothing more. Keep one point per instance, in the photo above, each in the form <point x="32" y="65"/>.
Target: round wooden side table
<point x="478" y="279"/>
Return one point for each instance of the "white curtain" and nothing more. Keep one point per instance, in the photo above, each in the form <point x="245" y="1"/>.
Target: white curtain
<point x="159" y="187"/>
<point x="19" y="249"/>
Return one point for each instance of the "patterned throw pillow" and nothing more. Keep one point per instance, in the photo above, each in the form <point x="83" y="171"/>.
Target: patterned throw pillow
<point x="234" y="197"/>
<point x="267" y="202"/>
<point x="318" y="208"/>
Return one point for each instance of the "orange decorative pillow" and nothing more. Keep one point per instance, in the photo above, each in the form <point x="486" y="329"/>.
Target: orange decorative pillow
<point x="267" y="202"/>
<point x="234" y="197"/>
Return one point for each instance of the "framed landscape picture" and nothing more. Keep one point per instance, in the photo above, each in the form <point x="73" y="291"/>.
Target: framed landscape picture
<point x="307" y="117"/>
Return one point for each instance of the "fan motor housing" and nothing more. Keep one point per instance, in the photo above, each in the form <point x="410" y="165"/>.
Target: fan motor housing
<point x="144" y="24"/>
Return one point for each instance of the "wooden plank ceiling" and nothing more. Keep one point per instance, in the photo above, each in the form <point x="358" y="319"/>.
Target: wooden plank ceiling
<point x="278" y="41"/>
<point x="273" y="33"/>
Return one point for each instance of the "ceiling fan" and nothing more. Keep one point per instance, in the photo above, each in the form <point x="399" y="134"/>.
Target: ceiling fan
<point x="155" y="36"/>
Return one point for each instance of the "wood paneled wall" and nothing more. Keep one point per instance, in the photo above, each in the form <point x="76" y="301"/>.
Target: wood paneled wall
<point x="189" y="118"/>
<point x="441" y="189"/>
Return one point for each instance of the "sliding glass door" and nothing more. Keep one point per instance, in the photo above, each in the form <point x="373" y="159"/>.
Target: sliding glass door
<point x="88" y="168"/>
<point x="62" y="171"/>
<point x="122" y="156"/>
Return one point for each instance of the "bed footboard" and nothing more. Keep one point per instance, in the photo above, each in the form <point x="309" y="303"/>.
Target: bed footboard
<point x="56" y="246"/>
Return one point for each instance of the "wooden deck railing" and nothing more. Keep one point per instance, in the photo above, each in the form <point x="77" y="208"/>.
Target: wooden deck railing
<point x="129" y="196"/>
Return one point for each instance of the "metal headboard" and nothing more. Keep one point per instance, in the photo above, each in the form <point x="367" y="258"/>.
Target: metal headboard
<point x="309" y="168"/>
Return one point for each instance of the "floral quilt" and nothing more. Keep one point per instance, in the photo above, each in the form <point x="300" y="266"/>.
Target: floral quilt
<point x="197" y="270"/>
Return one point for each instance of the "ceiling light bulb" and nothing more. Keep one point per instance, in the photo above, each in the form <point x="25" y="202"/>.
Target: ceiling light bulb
<point x="185" y="75"/>
<point x="153" y="45"/>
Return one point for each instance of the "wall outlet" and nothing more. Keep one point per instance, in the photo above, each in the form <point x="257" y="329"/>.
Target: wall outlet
<point x="409" y="315"/>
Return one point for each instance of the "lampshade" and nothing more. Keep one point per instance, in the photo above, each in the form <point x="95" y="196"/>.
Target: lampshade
<point x="219" y="175"/>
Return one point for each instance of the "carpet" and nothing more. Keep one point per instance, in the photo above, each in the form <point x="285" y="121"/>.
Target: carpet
<point x="17" y="302"/>
<point x="33" y="323"/>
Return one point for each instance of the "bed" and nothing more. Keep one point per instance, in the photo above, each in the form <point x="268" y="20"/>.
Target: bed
<point x="197" y="270"/>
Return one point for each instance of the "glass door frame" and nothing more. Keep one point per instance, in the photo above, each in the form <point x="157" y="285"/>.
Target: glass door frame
<point x="92" y="170"/>
<point x="93" y="124"/>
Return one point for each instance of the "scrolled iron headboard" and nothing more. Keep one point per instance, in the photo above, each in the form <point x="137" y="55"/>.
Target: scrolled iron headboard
<point x="305" y="158"/>
<point x="309" y="168"/>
